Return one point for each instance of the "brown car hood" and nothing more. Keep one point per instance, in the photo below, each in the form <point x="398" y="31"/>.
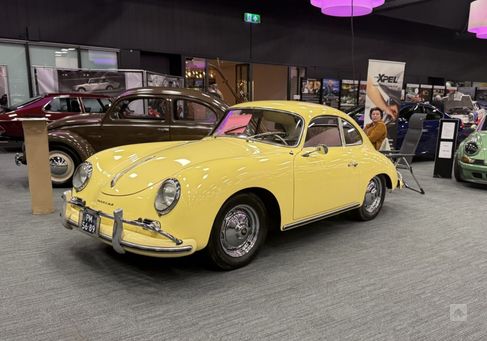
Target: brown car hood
<point x="80" y="119"/>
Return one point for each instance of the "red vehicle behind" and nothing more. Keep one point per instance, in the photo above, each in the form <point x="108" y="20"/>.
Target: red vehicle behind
<point x="51" y="106"/>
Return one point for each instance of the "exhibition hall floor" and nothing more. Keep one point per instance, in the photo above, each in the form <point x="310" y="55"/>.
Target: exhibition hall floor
<point x="395" y="277"/>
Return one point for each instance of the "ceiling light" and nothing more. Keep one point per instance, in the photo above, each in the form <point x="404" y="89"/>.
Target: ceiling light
<point x="347" y="8"/>
<point x="477" y="21"/>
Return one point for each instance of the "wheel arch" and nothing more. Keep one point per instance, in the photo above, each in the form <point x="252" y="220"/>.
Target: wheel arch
<point x="270" y="202"/>
<point x="72" y="142"/>
<point x="387" y="179"/>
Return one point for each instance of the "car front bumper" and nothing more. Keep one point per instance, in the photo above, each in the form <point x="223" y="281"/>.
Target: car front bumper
<point x="473" y="172"/>
<point x="139" y="236"/>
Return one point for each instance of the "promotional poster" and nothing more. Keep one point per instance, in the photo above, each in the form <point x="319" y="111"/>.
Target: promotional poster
<point x="110" y="83"/>
<point x="310" y="90"/>
<point x="438" y="90"/>
<point x="4" y="101"/>
<point x="384" y="87"/>
<point x="348" y="94"/>
<point x="330" y="94"/>
<point x="362" y="93"/>
<point x="412" y="93"/>
<point x="425" y="92"/>
<point x="166" y="81"/>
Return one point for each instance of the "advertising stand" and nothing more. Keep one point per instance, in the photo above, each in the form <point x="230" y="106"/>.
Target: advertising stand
<point x="445" y="148"/>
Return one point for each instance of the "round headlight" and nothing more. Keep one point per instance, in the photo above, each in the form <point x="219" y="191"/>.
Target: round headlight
<point x="167" y="196"/>
<point x="471" y="148"/>
<point x="82" y="175"/>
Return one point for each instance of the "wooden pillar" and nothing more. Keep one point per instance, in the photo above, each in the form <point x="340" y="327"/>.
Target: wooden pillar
<point x="37" y="155"/>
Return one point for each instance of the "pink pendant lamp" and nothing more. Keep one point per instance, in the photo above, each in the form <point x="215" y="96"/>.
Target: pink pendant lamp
<point x="347" y="8"/>
<point x="477" y="21"/>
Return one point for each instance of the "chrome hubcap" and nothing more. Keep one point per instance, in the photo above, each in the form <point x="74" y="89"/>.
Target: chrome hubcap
<point x="62" y="166"/>
<point x="239" y="230"/>
<point x="373" y="195"/>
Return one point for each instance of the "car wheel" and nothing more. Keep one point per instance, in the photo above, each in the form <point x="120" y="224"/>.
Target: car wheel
<point x="81" y="89"/>
<point x="373" y="200"/>
<point x="109" y="87"/>
<point x="456" y="170"/>
<point x="63" y="164"/>
<point x="239" y="230"/>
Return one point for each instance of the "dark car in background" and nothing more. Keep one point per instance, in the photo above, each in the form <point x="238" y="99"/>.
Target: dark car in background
<point x="137" y="116"/>
<point x="427" y="145"/>
<point x="53" y="106"/>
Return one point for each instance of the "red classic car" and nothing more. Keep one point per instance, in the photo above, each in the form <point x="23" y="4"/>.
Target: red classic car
<point x="51" y="106"/>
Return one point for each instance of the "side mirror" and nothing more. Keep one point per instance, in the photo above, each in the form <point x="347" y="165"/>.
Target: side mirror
<point x="321" y="149"/>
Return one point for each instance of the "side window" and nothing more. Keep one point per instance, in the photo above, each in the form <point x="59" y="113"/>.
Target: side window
<point x="323" y="130"/>
<point x="193" y="111"/>
<point x="63" y="104"/>
<point x="93" y="105"/>
<point x="350" y="133"/>
<point x="106" y="103"/>
<point x="432" y="114"/>
<point x="145" y="109"/>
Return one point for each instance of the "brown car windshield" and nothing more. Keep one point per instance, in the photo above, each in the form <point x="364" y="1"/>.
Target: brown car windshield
<point x="264" y="125"/>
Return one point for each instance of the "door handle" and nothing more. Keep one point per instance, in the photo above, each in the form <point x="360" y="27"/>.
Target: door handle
<point x="164" y="130"/>
<point x="353" y="164"/>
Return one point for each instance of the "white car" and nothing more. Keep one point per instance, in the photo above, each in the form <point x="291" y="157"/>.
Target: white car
<point x="96" y="84"/>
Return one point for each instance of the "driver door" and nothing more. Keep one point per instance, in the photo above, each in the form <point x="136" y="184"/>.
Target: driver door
<point x="323" y="182"/>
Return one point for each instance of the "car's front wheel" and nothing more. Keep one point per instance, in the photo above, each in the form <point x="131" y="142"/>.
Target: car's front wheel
<point x="239" y="230"/>
<point x="81" y="89"/>
<point x="63" y="164"/>
<point x="373" y="200"/>
<point x="109" y="87"/>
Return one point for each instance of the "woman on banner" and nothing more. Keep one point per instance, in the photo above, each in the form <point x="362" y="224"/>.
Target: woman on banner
<point x="376" y="130"/>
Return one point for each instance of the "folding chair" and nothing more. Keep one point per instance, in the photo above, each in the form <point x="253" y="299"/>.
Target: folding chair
<point x="402" y="158"/>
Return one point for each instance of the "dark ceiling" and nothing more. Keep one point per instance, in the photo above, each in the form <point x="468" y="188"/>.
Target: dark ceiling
<point x="449" y="14"/>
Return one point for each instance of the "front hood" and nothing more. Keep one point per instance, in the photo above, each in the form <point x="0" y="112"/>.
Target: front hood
<point x="81" y="119"/>
<point x="165" y="160"/>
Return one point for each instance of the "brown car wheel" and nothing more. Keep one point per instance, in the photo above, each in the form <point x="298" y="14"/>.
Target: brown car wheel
<point x="63" y="163"/>
<point x="238" y="232"/>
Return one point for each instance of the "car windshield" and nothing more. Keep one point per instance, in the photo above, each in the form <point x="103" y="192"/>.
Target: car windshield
<point x="265" y="125"/>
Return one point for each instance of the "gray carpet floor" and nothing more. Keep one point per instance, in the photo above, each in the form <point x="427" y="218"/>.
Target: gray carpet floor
<point x="394" y="278"/>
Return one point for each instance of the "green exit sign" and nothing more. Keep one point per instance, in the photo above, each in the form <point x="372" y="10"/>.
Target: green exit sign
<point x="252" y="18"/>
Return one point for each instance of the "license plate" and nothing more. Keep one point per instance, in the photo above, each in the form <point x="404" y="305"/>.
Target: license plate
<point x="89" y="222"/>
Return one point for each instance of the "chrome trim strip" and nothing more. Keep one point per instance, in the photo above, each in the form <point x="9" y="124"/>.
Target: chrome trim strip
<point x="70" y="225"/>
<point x="128" y="169"/>
<point x="320" y="217"/>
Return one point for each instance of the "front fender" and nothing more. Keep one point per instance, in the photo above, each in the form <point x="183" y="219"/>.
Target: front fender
<point x="73" y="141"/>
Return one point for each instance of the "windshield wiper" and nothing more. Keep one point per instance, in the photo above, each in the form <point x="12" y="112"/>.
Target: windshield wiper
<point x="270" y="133"/>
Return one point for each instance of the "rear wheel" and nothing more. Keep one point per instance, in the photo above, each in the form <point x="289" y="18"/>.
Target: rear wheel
<point x="373" y="200"/>
<point x="109" y="87"/>
<point x="81" y="89"/>
<point x="63" y="163"/>
<point x="238" y="232"/>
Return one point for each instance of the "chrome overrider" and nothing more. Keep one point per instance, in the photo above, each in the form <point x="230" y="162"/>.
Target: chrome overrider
<point x="118" y="244"/>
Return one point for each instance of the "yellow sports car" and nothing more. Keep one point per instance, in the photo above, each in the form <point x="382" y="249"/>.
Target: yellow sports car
<point x="267" y="164"/>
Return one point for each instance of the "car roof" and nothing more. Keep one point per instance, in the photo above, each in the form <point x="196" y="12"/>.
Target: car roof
<point x="304" y="109"/>
<point x="183" y="92"/>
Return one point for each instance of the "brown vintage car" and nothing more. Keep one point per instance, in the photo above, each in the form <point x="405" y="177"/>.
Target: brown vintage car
<point x="137" y="116"/>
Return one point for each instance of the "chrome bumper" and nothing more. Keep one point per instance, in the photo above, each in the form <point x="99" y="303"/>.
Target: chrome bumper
<point x="116" y="239"/>
<point x="20" y="159"/>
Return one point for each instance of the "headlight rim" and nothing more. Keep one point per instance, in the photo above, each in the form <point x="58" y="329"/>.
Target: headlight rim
<point x="89" y="172"/>
<point x="471" y="143"/>
<point x="176" y="198"/>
